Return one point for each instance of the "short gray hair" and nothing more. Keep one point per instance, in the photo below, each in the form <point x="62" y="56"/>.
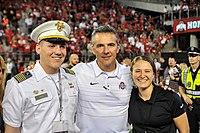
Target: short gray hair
<point x="105" y="29"/>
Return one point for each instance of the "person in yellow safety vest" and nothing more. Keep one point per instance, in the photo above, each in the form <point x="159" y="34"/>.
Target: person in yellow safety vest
<point x="189" y="88"/>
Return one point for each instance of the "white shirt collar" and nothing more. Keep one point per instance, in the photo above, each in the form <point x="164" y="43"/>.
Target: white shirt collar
<point x="98" y="70"/>
<point x="40" y="73"/>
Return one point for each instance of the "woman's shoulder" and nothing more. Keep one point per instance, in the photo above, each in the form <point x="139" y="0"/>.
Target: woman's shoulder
<point x="167" y="93"/>
<point x="134" y="94"/>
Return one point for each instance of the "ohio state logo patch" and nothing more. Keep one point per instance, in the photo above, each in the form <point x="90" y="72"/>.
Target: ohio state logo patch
<point x="122" y="86"/>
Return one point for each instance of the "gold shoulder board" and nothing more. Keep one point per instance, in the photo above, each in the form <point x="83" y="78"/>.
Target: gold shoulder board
<point x="67" y="70"/>
<point x="22" y="76"/>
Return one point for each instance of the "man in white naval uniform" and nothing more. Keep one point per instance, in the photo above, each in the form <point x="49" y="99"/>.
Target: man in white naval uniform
<point x="104" y="87"/>
<point x="44" y="99"/>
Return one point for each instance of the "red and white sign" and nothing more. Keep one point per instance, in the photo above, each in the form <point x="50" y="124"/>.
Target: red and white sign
<point x="186" y="25"/>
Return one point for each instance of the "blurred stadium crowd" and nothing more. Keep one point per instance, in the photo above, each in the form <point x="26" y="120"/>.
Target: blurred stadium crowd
<point x="136" y="29"/>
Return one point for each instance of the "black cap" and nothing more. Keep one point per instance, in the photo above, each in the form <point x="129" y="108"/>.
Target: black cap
<point x="193" y="50"/>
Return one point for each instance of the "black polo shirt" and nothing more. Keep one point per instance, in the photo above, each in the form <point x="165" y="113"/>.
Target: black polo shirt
<point x="155" y="115"/>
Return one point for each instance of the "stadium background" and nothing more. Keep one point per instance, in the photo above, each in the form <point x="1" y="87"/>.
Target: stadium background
<point x="144" y="26"/>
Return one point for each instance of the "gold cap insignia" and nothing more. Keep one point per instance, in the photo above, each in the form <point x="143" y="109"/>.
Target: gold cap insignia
<point x="60" y="26"/>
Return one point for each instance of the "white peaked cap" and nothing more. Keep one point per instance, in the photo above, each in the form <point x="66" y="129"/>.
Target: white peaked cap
<point x="51" y="29"/>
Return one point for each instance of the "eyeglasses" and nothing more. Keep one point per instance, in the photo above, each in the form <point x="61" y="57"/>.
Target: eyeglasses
<point x="192" y="55"/>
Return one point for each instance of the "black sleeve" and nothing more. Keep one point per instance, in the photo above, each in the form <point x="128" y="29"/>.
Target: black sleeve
<point x="131" y="101"/>
<point x="177" y="106"/>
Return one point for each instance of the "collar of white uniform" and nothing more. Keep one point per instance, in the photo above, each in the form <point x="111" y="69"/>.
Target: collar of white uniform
<point x="41" y="74"/>
<point x="98" y="71"/>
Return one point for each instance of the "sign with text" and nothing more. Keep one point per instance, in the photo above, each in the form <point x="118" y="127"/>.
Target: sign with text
<point x="186" y="25"/>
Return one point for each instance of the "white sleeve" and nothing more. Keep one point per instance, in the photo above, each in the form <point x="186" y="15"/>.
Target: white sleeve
<point x="12" y="104"/>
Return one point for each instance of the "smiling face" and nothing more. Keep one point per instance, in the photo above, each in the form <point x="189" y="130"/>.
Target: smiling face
<point x="51" y="55"/>
<point x="105" y="48"/>
<point x="142" y="74"/>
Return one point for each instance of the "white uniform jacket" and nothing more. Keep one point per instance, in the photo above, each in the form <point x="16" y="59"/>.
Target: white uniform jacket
<point x="31" y="101"/>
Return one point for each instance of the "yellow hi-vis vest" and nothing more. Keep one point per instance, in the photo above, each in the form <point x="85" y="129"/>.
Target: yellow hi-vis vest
<point x="192" y="88"/>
